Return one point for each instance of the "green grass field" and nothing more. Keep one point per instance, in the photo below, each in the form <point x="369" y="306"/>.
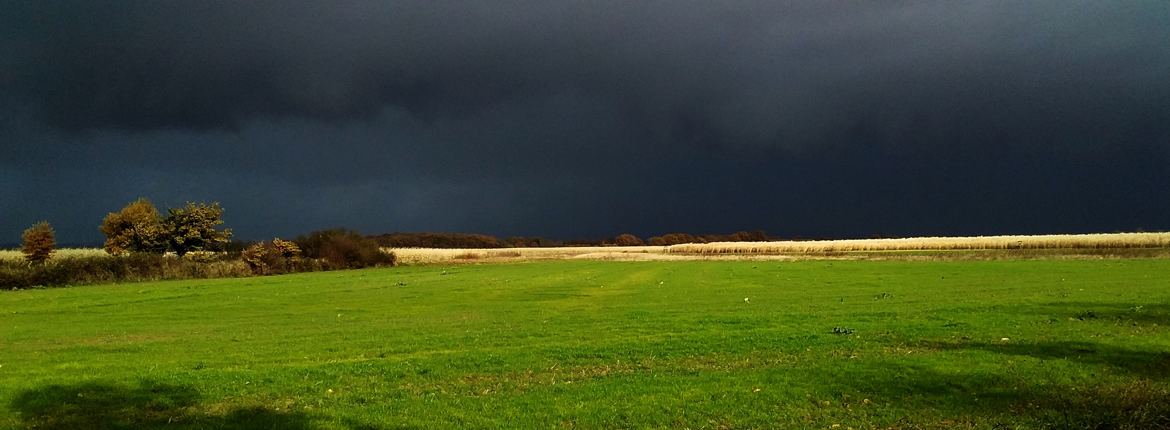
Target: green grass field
<point x="587" y="344"/>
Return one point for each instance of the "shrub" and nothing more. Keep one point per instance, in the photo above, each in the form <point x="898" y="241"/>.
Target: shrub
<point x="259" y="257"/>
<point x="135" y="228"/>
<point x="192" y="228"/>
<point x="287" y="249"/>
<point x="270" y="258"/>
<point x="627" y="239"/>
<point x="38" y="242"/>
<point x="203" y="256"/>
<point x="343" y="249"/>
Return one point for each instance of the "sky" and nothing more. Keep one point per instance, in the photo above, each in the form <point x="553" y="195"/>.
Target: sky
<point x="585" y="119"/>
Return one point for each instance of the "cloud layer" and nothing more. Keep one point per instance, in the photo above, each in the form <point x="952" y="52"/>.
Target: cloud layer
<point x="515" y="114"/>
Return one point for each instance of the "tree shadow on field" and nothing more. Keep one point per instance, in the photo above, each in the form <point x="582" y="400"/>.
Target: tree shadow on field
<point x="1114" y="313"/>
<point x="979" y="400"/>
<point x="148" y="405"/>
<point x="1137" y="398"/>
<point x="1149" y="364"/>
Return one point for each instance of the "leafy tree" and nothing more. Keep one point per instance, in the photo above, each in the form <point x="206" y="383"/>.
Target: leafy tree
<point x="627" y="239"/>
<point x="135" y="228"/>
<point x="38" y="242"/>
<point x="193" y="228"/>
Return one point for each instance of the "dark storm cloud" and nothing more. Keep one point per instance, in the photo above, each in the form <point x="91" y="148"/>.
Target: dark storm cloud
<point x="817" y="118"/>
<point x="757" y="72"/>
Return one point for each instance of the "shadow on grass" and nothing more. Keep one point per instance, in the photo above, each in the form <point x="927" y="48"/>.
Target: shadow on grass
<point x="148" y="405"/>
<point x="1149" y="364"/>
<point x="1113" y="313"/>
<point x="982" y="400"/>
<point x="1140" y="399"/>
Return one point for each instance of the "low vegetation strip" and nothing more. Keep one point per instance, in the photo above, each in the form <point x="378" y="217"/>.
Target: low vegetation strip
<point x="592" y="344"/>
<point x="1062" y="241"/>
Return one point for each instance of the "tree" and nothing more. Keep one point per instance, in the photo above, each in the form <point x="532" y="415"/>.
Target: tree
<point x="135" y="228"/>
<point x="38" y="242"/>
<point x="627" y="239"/>
<point x="192" y="228"/>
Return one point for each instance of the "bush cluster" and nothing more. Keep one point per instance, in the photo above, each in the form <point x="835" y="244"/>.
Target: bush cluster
<point x="680" y="238"/>
<point x="343" y="249"/>
<point x="134" y="267"/>
<point x="437" y="240"/>
<point x="139" y="227"/>
<point x="187" y="243"/>
<point x="627" y="239"/>
<point x="277" y="257"/>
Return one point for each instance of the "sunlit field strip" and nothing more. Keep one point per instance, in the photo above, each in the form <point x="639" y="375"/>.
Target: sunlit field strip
<point x="691" y="250"/>
<point x="1063" y="241"/>
<point x="15" y="254"/>
<point x="438" y="255"/>
<point x="794" y="249"/>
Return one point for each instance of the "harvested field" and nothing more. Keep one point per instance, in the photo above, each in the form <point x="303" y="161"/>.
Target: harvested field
<point x="1067" y="246"/>
<point x="437" y="255"/>
<point x="15" y="254"/>
<point x="1060" y="241"/>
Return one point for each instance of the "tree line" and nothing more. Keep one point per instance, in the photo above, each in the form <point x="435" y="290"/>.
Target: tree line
<point x="140" y="228"/>
<point x="471" y="240"/>
<point x="188" y="242"/>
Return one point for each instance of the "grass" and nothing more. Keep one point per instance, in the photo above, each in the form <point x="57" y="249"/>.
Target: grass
<point x="594" y="344"/>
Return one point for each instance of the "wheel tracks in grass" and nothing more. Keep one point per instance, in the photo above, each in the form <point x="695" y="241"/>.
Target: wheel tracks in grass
<point x="485" y="384"/>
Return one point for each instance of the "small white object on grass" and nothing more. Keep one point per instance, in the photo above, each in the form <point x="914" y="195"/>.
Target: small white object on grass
<point x="746" y="300"/>
<point x="1005" y="339"/>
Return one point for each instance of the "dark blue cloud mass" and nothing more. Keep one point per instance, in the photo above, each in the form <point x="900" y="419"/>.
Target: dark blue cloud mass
<point x="587" y="119"/>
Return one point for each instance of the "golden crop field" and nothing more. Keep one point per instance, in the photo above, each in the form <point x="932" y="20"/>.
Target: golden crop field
<point x="15" y="254"/>
<point x="438" y="255"/>
<point x="1061" y="241"/>
<point x="746" y="250"/>
<point x="1075" y="244"/>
